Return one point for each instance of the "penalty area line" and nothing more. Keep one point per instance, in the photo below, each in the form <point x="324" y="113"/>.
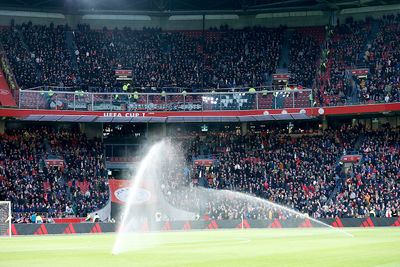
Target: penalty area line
<point x="45" y="249"/>
<point x="208" y="242"/>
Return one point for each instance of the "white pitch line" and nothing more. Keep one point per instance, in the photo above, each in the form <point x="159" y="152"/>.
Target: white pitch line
<point x="52" y="236"/>
<point x="45" y="249"/>
<point x="212" y="243"/>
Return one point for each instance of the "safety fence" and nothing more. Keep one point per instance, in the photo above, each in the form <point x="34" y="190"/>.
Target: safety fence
<point x="89" y="228"/>
<point x="40" y="99"/>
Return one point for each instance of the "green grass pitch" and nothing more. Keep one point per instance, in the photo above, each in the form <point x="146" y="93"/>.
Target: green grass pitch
<point x="251" y="247"/>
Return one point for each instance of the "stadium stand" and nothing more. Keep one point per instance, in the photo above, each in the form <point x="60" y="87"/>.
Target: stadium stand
<point x="271" y="164"/>
<point x="20" y="59"/>
<point x="73" y="189"/>
<point x="276" y="165"/>
<point x="382" y="59"/>
<point x="371" y="188"/>
<point x="159" y="59"/>
<point x="225" y="58"/>
<point x="285" y="168"/>
<point x="304" y="51"/>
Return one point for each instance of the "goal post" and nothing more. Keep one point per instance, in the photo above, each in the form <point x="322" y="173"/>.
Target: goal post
<point x="5" y="219"/>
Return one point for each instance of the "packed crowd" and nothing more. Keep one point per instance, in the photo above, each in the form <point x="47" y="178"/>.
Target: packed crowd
<point x="274" y="165"/>
<point x="304" y="51"/>
<point x="372" y="187"/>
<point x="355" y="46"/>
<point x="22" y="62"/>
<point x="242" y="57"/>
<point x="176" y="59"/>
<point x="282" y="169"/>
<point x="222" y="58"/>
<point x="300" y="171"/>
<point x="343" y="50"/>
<point x="382" y="58"/>
<point x="48" y="50"/>
<point x="33" y="186"/>
<point x="40" y="55"/>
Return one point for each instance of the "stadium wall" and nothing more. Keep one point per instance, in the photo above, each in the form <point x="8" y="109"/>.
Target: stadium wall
<point x="194" y="22"/>
<point x="183" y="22"/>
<point x="72" y="228"/>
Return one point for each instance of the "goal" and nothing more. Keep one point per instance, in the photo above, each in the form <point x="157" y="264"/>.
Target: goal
<point x="5" y="218"/>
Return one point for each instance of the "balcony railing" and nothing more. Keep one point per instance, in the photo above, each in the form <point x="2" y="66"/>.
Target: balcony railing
<point x="41" y="99"/>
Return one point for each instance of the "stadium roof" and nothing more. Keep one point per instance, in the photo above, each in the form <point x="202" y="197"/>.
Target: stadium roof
<point x="189" y="5"/>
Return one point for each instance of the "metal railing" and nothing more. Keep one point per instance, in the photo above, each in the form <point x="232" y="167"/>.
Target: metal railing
<point x="44" y="99"/>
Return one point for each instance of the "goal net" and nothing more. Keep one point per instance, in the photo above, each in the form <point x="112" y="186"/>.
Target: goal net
<point x="5" y="218"/>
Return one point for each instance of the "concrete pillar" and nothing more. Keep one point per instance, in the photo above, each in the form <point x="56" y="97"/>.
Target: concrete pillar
<point x="244" y="128"/>
<point x="164" y="129"/>
<point x="82" y="127"/>
<point x="395" y="121"/>
<point x="368" y="123"/>
<point x="2" y="126"/>
<point x="392" y="121"/>
<point x="324" y="123"/>
<point x="375" y="123"/>
<point x="354" y="122"/>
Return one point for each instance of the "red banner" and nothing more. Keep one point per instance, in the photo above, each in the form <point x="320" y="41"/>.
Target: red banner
<point x="371" y="108"/>
<point x="281" y="76"/>
<point x="123" y="72"/>
<point x="359" y="72"/>
<point x="69" y="220"/>
<point x="203" y="162"/>
<point x="55" y="162"/>
<point x="120" y="190"/>
<point x="254" y="160"/>
<point x="351" y="158"/>
<point x="123" y="75"/>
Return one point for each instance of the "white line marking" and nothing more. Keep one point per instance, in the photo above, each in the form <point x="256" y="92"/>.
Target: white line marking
<point x="212" y="243"/>
<point x="44" y="249"/>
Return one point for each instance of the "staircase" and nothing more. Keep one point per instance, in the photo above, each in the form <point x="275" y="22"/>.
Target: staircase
<point x="71" y="47"/>
<point x="269" y="80"/>
<point x="21" y="37"/>
<point x="353" y="96"/>
<point x="372" y="34"/>
<point x="359" y="142"/>
<point x="284" y="58"/>
<point x="339" y="182"/>
<point x="47" y="147"/>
